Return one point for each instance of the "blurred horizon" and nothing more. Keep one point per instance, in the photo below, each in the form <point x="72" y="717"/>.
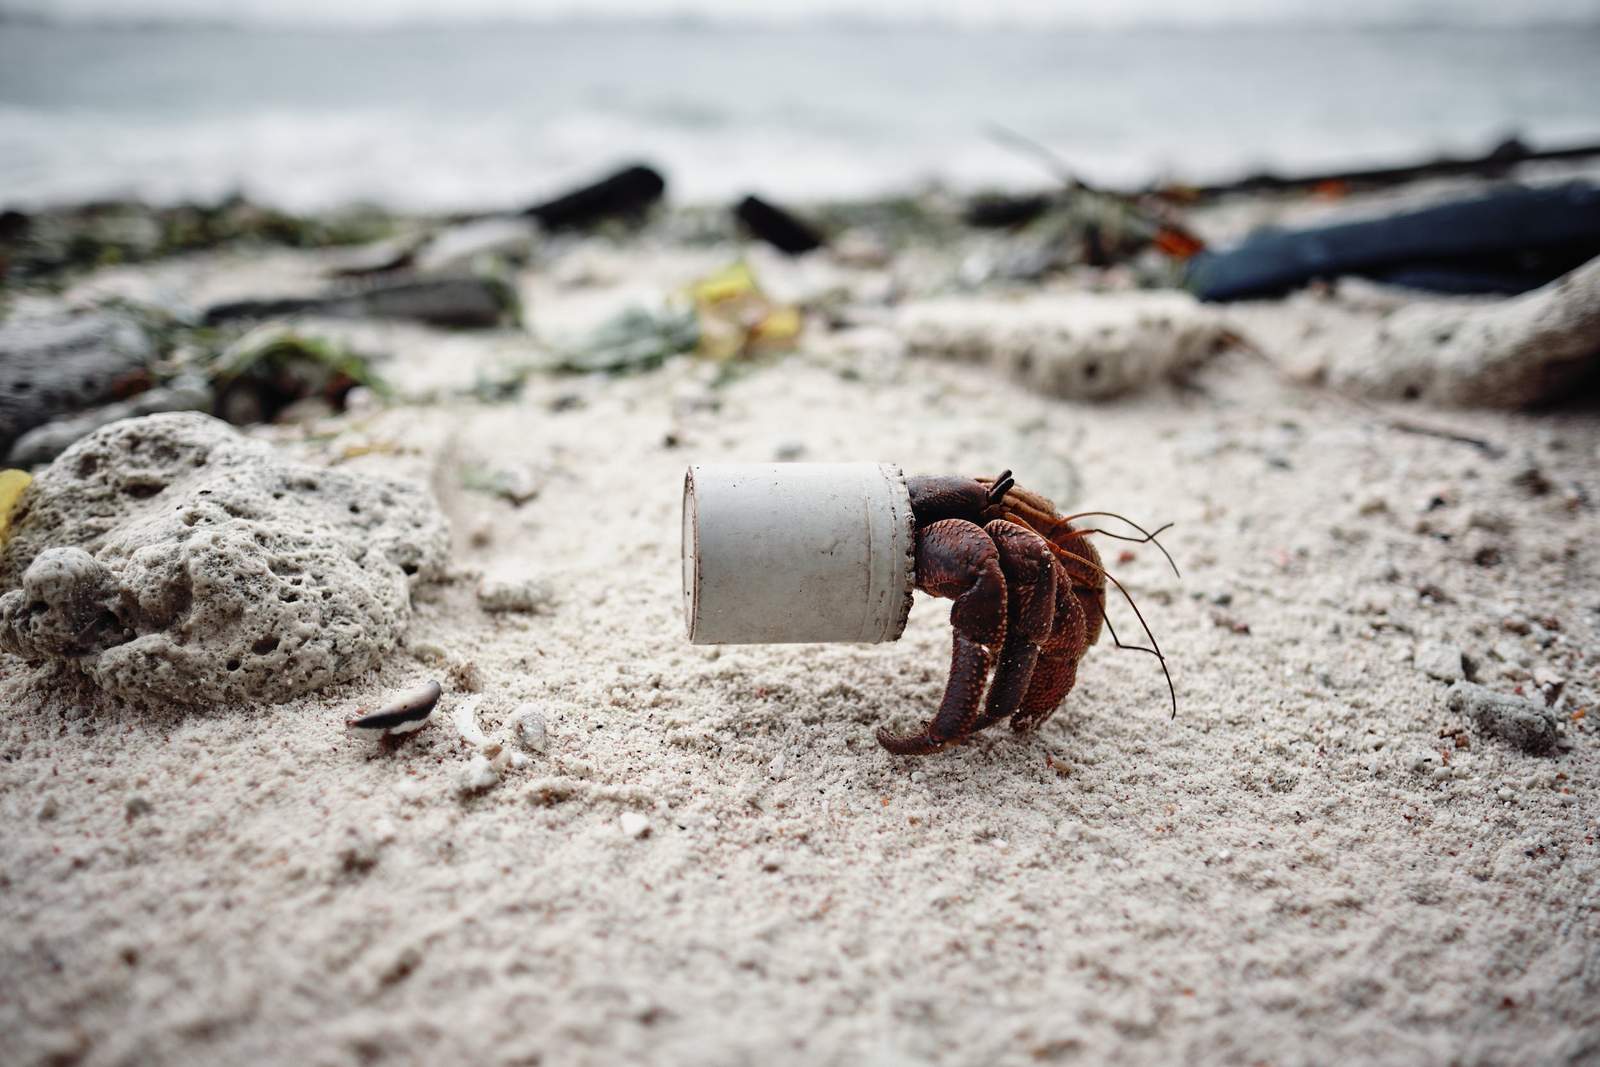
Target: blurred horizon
<point x="1052" y="14"/>
<point x="474" y="116"/>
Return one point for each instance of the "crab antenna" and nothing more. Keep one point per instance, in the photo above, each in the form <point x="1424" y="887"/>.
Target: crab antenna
<point x="1117" y="641"/>
<point x="1148" y="535"/>
<point x="1002" y="485"/>
<point x="1155" y="646"/>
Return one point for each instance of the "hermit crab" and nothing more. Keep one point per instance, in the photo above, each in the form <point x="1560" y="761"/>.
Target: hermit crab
<point x="1030" y="598"/>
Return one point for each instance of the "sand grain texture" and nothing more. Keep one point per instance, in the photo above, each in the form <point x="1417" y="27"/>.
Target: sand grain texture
<point x="1304" y="867"/>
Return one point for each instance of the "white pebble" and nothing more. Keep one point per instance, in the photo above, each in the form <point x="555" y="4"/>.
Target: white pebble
<point x="515" y="594"/>
<point x="478" y="775"/>
<point x="633" y="824"/>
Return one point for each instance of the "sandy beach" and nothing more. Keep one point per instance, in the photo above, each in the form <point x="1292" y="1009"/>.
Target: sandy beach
<point x="706" y="858"/>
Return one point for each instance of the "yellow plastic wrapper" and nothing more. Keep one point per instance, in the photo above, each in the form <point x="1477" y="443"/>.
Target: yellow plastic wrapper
<point x="736" y="317"/>
<point x="729" y="283"/>
<point x="12" y="484"/>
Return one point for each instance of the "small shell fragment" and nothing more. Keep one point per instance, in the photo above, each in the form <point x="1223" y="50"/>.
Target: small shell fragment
<point x="633" y="824"/>
<point x="466" y="720"/>
<point x="404" y="714"/>
<point x="530" y="728"/>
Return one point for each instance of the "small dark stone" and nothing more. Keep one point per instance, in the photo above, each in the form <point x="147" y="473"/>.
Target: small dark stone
<point x="50" y="366"/>
<point x="1520" y="722"/>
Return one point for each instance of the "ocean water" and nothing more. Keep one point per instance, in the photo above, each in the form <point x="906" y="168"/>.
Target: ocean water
<point x="449" y="117"/>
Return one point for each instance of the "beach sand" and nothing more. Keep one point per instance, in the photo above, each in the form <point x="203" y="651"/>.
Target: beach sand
<point x="1316" y="861"/>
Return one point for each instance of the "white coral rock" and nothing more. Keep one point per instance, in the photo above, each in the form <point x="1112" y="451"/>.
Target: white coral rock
<point x="168" y="558"/>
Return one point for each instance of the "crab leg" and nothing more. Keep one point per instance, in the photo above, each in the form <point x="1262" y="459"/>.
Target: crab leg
<point x="1031" y="574"/>
<point x="958" y="560"/>
<point x="1057" y="669"/>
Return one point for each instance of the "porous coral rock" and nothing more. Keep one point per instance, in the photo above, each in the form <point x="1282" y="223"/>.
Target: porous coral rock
<point x="168" y="558"/>
<point x="1509" y="353"/>
<point x="1080" y="346"/>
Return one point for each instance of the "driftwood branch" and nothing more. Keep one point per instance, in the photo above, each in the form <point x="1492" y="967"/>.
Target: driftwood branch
<point x="1495" y="162"/>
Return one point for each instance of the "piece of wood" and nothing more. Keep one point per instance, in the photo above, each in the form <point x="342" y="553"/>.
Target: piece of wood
<point x="1496" y="161"/>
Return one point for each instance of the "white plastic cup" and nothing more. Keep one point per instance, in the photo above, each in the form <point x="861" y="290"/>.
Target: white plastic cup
<point x="782" y="553"/>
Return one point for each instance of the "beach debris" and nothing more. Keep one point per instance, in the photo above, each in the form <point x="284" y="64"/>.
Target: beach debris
<point x="273" y="366"/>
<point x="636" y="339"/>
<point x="990" y="210"/>
<point x="1496" y="162"/>
<point x="1439" y="660"/>
<point x="861" y="248"/>
<point x="462" y="301"/>
<point x="1509" y="240"/>
<point x="1085" y="224"/>
<point x="1511" y="353"/>
<point x="1079" y="346"/>
<point x="42" y="245"/>
<point x="796" y="552"/>
<point x="527" y="594"/>
<point x="1523" y="723"/>
<point x="633" y="824"/>
<point x="737" y="319"/>
<point x="170" y="560"/>
<point x="377" y="257"/>
<point x="476" y="247"/>
<point x="12" y="485"/>
<point x="187" y="392"/>
<point x="57" y="364"/>
<point x="777" y="226"/>
<point x="627" y="195"/>
<point x="405" y="713"/>
<point x="728" y="317"/>
<point x="527" y="723"/>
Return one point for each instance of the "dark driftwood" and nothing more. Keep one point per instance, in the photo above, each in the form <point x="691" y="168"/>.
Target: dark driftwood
<point x="627" y="194"/>
<point x="1496" y="161"/>
<point x="1000" y="211"/>
<point x="778" y="227"/>
<point x="464" y="302"/>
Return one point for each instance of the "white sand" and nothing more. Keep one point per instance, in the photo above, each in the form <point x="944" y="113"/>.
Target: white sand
<point x="1299" y="869"/>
